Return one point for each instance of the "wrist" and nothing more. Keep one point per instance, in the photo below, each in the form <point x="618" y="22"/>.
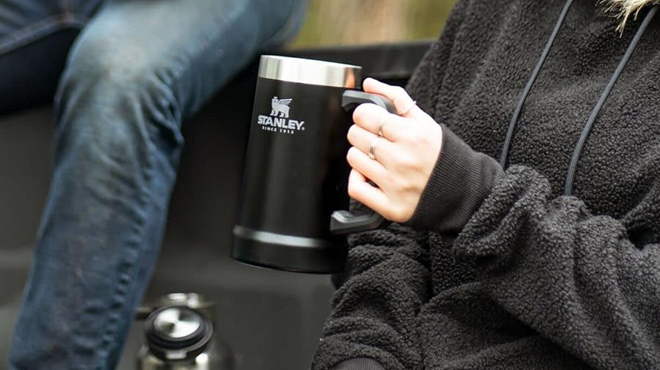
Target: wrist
<point x="461" y="180"/>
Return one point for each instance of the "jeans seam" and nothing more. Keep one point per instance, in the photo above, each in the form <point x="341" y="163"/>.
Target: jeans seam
<point x="124" y="284"/>
<point x="40" y="29"/>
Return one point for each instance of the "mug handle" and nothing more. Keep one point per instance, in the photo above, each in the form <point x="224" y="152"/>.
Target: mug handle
<point x="344" y="222"/>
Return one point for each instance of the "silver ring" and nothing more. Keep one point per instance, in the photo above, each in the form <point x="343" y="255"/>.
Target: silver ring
<point x="414" y="103"/>
<point x="381" y="124"/>
<point x="372" y="148"/>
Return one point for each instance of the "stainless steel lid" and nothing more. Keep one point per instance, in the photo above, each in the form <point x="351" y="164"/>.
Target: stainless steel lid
<point x="310" y="71"/>
<point x="177" y="323"/>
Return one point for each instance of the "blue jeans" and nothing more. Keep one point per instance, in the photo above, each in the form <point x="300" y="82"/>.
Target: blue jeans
<point x="137" y="69"/>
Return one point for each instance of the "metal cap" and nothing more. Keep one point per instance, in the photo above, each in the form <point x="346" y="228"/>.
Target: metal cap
<point x="176" y="323"/>
<point x="177" y="333"/>
<point x="310" y="72"/>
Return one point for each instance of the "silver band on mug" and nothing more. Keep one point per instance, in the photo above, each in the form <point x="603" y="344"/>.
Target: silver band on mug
<point x="311" y="72"/>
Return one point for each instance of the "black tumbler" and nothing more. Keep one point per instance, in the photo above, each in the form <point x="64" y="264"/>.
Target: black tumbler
<point x="293" y="212"/>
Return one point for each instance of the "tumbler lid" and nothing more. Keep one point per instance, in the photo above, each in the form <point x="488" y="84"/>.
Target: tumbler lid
<point x="176" y="323"/>
<point x="310" y="71"/>
<point x="177" y="333"/>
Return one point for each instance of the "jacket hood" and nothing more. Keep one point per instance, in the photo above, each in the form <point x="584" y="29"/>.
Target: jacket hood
<point x="625" y="8"/>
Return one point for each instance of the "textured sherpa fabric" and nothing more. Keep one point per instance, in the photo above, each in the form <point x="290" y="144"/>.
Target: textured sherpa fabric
<point x="516" y="275"/>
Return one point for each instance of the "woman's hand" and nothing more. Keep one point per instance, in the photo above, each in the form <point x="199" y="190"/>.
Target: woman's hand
<point x="401" y="160"/>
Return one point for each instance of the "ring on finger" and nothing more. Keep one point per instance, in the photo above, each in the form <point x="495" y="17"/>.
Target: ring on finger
<point x="410" y="107"/>
<point x="372" y="148"/>
<point x="382" y="124"/>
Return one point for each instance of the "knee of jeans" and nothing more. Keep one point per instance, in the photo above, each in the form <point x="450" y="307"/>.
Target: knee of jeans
<point x="119" y="81"/>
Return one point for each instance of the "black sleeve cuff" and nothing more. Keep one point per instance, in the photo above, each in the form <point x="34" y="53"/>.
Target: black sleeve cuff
<point x="358" y="364"/>
<point x="461" y="180"/>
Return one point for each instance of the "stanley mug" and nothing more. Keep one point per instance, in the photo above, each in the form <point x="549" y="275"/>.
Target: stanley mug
<point x="292" y="214"/>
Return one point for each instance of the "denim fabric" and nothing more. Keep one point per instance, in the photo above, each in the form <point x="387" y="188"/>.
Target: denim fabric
<point x="34" y="39"/>
<point x="138" y="69"/>
<point x="23" y="22"/>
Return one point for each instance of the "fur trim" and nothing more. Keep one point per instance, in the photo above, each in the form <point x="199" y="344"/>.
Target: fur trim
<point x="625" y="8"/>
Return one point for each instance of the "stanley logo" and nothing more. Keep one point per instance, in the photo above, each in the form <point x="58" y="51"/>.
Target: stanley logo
<point x="278" y="120"/>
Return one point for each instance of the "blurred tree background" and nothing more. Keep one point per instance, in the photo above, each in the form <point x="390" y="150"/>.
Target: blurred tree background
<point x="350" y="22"/>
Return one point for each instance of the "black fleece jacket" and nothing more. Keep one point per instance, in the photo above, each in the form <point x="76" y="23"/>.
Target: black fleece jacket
<point x="501" y="270"/>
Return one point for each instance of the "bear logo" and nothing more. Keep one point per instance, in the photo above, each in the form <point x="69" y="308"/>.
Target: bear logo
<point x="280" y="107"/>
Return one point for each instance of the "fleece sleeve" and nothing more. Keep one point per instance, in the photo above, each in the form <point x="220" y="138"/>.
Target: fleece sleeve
<point x="579" y="279"/>
<point x="372" y="324"/>
<point x="576" y="278"/>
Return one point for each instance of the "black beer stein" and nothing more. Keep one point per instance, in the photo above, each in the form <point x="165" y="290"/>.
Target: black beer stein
<point x="293" y="212"/>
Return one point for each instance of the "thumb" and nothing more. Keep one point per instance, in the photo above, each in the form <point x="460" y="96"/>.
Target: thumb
<point x="397" y="95"/>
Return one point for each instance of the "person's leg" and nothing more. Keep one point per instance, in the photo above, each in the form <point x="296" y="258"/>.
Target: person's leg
<point x="135" y="72"/>
<point x="35" y="36"/>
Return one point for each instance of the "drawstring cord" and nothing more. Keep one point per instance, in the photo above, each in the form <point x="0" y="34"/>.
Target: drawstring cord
<point x="570" y="178"/>
<point x="530" y="83"/>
